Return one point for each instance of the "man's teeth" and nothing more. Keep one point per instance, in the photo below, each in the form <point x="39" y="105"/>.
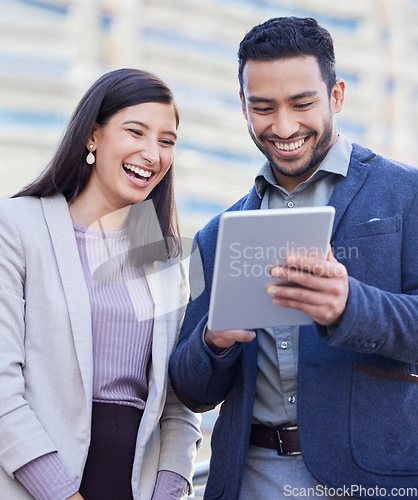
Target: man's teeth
<point x="289" y="146"/>
<point x="137" y="170"/>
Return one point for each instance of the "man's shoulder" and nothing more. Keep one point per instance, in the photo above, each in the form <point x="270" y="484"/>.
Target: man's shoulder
<point x="383" y="170"/>
<point x="366" y="155"/>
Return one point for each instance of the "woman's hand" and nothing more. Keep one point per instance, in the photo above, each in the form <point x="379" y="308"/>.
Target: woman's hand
<point x="76" y="496"/>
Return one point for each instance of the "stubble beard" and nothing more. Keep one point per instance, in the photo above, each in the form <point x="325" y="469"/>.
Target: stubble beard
<point x="288" y="167"/>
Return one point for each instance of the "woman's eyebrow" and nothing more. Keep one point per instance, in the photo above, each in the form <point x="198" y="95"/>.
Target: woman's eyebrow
<point x="142" y="124"/>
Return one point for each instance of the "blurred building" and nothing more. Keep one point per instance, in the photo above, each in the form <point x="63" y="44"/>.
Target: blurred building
<point x="52" y="50"/>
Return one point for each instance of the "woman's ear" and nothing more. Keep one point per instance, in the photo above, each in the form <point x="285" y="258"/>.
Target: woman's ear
<point x="92" y="139"/>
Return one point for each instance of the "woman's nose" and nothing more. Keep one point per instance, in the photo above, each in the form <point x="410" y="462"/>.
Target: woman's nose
<point x="150" y="151"/>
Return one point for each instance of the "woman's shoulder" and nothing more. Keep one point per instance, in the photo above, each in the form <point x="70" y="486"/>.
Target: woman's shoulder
<point x="24" y="212"/>
<point x="19" y="201"/>
<point x="23" y="205"/>
<point x="19" y="207"/>
<point x="24" y="223"/>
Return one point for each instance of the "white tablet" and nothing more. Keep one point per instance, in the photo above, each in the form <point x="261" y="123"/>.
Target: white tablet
<point x="249" y="243"/>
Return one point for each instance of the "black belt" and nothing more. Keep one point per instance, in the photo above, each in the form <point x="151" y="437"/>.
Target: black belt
<point x="284" y="439"/>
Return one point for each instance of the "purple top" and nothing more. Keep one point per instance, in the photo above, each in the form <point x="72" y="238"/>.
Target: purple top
<point x="122" y="326"/>
<point x="122" y="313"/>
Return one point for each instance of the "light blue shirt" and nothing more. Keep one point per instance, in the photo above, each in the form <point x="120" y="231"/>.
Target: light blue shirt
<point x="276" y="385"/>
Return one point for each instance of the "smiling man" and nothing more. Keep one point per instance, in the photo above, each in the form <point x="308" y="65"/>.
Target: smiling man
<point x="328" y="409"/>
<point x="290" y="115"/>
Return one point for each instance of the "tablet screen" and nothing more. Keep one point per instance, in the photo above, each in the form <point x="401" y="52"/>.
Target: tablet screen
<point x="249" y="244"/>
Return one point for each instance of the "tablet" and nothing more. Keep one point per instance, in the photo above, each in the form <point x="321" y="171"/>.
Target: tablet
<point x="249" y="244"/>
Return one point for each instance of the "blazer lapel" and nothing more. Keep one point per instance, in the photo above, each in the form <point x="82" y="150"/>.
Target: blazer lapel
<point x="347" y="188"/>
<point x="252" y="202"/>
<point x="159" y="339"/>
<point x="162" y="279"/>
<point x="75" y="289"/>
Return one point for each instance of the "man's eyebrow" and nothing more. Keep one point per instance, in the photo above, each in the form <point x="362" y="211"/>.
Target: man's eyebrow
<point x="144" y="125"/>
<point x="302" y="95"/>
<point x="255" y="99"/>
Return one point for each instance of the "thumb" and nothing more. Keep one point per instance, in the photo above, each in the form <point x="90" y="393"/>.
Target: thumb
<point x="330" y="255"/>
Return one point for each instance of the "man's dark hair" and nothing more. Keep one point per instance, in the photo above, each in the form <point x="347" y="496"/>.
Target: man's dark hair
<point x="284" y="37"/>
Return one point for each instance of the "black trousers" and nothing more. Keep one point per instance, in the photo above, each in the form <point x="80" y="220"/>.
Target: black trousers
<point x="108" y="470"/>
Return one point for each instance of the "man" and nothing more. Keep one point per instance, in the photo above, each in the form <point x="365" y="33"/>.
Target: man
<point x="328" y="409"/>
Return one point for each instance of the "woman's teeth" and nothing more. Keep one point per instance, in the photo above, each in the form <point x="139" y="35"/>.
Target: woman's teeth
<point x="137" y="170"/>
<point x="289" y="146"/>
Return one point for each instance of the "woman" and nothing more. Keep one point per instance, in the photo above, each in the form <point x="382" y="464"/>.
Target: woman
<point x="92" y="293"/>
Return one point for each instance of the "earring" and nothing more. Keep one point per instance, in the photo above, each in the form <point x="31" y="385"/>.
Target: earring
<point x="90" y="159"/>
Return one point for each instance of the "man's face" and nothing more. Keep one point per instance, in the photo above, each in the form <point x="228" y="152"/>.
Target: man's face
<point x="290" y="115"/>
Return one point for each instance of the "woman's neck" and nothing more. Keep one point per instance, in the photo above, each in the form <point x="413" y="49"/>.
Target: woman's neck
<point x="91" y="214"/>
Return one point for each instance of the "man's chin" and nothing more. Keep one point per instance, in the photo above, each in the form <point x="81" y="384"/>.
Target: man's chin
<point x="291" y="169"/>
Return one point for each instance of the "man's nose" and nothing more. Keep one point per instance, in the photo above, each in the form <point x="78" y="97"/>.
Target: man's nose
<point x="284" y="124"/>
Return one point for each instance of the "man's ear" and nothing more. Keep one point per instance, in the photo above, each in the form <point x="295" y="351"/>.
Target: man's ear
<point x="337" y="96"/>
<point x="243" y="105"/>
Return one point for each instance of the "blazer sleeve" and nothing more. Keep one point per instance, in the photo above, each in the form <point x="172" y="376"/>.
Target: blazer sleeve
<point x="180" y="437"/>
<point x="379" y="321"/>
<point x="180" y="428"/>
<point x="22" y="436"/>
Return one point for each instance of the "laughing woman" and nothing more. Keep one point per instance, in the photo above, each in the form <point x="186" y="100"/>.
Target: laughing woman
<point x="92" y="294"/>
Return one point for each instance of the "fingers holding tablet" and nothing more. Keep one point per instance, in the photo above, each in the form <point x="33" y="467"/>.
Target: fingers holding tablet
<point x="220" y="340"/>
<point x="314" y="286"/>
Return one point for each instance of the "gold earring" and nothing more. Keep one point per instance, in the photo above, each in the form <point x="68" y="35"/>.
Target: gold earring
<point x="90" y="159"/>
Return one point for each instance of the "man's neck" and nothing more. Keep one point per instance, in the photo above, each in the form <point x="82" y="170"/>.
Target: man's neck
<point x="291" y="183"/>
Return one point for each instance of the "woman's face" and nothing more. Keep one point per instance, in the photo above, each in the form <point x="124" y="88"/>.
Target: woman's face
<point x="133" y="151"/>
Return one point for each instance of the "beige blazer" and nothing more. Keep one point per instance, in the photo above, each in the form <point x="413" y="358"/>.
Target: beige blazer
<point x="46" y="371"/>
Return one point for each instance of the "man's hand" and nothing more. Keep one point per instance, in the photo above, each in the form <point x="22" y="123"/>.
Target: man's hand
<point x="325" y="293"/>
<point x="222" y="339"/>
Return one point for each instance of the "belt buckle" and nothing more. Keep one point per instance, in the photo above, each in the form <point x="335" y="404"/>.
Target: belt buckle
<point x="278" y="439"/>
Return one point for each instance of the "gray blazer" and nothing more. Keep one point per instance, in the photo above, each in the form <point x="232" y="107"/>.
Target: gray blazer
<point x="46" y="370"/>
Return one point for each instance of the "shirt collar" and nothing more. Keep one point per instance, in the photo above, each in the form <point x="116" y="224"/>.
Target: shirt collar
<point x="335" y="162"/>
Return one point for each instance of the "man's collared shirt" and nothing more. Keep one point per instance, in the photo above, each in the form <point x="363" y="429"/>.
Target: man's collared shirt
<point x="276" y="384"/>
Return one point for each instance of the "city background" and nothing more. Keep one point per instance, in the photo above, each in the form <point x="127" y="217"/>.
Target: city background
<point x="52" y="50"/>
